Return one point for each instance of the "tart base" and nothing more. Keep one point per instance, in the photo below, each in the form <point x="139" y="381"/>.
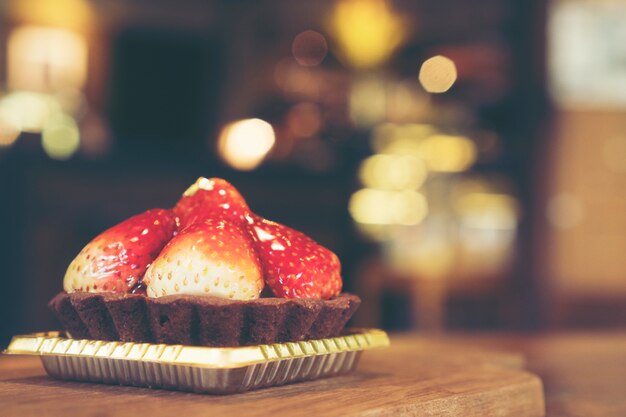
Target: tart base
<point x="201" y="320"/>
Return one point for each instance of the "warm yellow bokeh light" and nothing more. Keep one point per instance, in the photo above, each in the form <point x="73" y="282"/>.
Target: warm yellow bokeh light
<point x="444" y="153"/>
<point x="44" y="59"/>
<point x="383" y="207"/>
<point x="393" y="172"/>
<point x="393" y="138"/>
<point x="493" y="211"/>
<point x="375" y="232"/>
<point x="369" y="206"/>
<point x="30" y="111"/>
<point x="245" y="143"/>
<point x="368" y="101"/>
<point x="366" y="31"/>
<point x="60" y="137"/>
<point x="10" y="126"/>
<point x="71" y="14"/>
<point x="408" y="207"/>
<point x="440" y="152"/>
<point x="437" y="74"/>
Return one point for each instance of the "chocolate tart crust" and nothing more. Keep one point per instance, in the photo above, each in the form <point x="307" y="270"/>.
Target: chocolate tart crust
<point x="201" y="320"/>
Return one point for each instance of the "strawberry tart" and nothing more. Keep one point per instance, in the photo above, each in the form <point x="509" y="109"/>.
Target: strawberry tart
<point x="208" y="272"/>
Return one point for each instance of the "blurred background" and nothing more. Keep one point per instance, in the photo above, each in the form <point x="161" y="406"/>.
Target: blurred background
<point x="465" y="160"/>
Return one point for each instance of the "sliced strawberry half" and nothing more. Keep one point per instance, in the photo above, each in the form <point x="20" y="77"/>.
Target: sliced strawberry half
<point x="215" y="257"/>
<point x="210" y="198"/>
<point x="117" y="259"/>
<point x="294" y="265"/>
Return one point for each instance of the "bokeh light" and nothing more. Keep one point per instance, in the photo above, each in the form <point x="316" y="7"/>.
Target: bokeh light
<point x="409" y="135"/>
<point x="72" y="101"/>
<point x="245" y="143"/>
<point x="393" y="172"/>
<point x="309" y="48"/>
<point x="43" y="58"/>
<point x="437" y="74"/>
<point x="441" y="153"/>
<point x="9" y="126"/>
<point x="444" y="153"/>
<point x="368" y="101"/>
<point x="30" y="111"/>
<point x="74" y="14"/>
<point x="366" y="31"/>
<point x="60" y="137"/>
<point x="384" y="207"/>
<point x="491" y="211"/>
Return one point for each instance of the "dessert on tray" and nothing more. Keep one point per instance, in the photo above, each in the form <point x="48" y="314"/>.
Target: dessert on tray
<point x="206" y="297"/>
<point x="208" y="272"/>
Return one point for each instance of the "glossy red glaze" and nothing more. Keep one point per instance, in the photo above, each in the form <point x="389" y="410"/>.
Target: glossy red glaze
<point x="294" y="265"/>
<point x="211" y="199"/>
<point x="117" y="259"/>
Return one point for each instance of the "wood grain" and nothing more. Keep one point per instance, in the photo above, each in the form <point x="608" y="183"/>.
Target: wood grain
<point x="413" y="377"/>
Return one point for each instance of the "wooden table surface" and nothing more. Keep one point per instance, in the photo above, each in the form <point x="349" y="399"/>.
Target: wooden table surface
<point x="583" y="374"/>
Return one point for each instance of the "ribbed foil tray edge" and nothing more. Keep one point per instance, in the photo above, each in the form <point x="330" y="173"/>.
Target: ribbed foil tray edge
<point x="195" y="368"/>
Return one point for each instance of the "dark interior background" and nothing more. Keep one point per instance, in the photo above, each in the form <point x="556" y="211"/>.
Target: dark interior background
<point x="163" y="78"/>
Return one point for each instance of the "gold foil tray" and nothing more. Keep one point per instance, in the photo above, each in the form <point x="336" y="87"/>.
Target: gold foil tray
<point x="194" y="368"/>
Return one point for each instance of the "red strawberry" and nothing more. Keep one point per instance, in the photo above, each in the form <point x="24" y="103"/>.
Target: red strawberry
<point x="117" y="258"/>
<point x="215" y="257"/>
<point x="295" y="266"/>
<point x="212" y="198"/>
